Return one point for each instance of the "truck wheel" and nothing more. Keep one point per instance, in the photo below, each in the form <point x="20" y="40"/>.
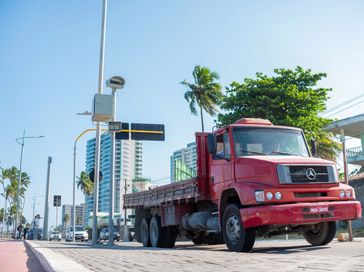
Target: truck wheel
<point x="321" y="234"/>
<point x="236" y="237"/>
<point x="171" y="237"/>
<point x="155" y="232"/>
<point x="144" y="232"/>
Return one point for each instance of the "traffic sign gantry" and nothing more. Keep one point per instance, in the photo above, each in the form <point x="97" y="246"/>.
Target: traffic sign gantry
<point x="145" y="132"/>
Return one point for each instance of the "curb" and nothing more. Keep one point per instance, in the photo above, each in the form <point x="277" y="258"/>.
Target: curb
<point x="52" y="261"/>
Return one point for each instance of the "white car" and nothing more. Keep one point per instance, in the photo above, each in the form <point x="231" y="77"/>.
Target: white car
<point x="80" y="234"/>
<point x="55" y="236"/>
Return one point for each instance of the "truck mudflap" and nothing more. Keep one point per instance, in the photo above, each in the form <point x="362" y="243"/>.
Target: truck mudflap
<point x="300" y="213"/>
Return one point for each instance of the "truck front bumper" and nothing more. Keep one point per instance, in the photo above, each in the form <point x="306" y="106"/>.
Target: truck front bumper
<point x="300" y="213"/>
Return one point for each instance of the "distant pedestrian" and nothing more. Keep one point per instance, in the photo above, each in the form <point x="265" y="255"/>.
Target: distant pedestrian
<point x="25" y="231"/>
<point x="19" y="229"/>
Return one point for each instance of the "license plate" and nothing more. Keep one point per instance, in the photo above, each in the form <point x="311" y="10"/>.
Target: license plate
<point x="319" y="209"/>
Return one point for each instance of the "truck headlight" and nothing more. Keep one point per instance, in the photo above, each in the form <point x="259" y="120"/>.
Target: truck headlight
<point x="269" y="195"/>
<point x="259" y="196"/>
<point x="342" y="194"/>
<point x="278" y="195"/>
<point x="348" y="193"/>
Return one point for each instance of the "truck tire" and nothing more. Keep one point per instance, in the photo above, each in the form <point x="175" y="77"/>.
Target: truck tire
<point x="322" y="234"/>
<point x="164" y="237"/>
<point x="157" y="235"/>
<point x="235" y="236"/>
<point x="144" y="232"/>
<point x="171" y="237"/>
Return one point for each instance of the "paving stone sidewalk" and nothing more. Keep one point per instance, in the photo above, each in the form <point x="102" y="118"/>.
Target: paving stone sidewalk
<point x="292" y="255"/>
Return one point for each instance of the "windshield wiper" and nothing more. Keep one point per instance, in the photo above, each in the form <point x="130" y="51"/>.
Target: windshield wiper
<point x="281" y="153"/>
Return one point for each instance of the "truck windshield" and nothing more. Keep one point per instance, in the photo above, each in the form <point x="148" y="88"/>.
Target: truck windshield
<point x="269" y="141"/>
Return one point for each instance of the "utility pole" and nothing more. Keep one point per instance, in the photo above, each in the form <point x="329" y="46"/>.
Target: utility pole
<point x="126" y="234"/>
<point x="112" y="174"/>
<point x="34" y="203"/>
<point x="98" y="128"/>
<point x="46" y="202"/>
<point x="346" y="179"/>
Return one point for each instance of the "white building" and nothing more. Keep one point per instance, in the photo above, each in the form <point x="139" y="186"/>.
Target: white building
<point x="80" y="214"/>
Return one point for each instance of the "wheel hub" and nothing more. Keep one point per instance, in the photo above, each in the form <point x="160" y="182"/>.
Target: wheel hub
<point x="233" y="228"/>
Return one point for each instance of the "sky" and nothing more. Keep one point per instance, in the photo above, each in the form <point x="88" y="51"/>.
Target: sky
<point x="49" y="59"/>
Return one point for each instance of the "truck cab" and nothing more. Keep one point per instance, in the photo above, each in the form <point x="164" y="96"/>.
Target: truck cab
<point x="266" y="182"/>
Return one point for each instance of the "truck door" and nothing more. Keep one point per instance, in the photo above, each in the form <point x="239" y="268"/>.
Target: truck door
<point x="222" y="167"/>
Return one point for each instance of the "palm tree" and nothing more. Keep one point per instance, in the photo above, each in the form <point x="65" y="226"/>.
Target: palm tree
<point x="85" y="184"/>
<point x="66" y="219"/>
<point x="205" y="92"/>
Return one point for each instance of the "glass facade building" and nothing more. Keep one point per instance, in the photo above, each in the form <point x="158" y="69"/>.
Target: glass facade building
<point x="128" y="165"/>
<point x="183" y="163"/>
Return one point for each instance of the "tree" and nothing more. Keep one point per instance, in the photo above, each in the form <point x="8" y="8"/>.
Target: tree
<point x="10" y="190"/>
<point x="85" y="184"/>
<point x="290" y="98"/>
<point x="66" y="219"/>
<point x="205" y="92"/>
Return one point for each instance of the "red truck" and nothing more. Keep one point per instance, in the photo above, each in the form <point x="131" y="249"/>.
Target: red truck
<point x="253" y="179"/>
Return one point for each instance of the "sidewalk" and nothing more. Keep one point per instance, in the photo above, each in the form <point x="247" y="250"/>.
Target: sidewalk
<point x="294" y="255"/>
<point x="15" y="257"/>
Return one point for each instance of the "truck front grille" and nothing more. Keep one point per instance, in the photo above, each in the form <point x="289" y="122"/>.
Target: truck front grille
<point x="298" y="174"/>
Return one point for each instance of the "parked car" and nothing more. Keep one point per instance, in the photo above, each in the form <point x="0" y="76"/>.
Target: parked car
<point x="55" y="236"/>
<point x="80" y="234"/>
<point x="104" y="234"/>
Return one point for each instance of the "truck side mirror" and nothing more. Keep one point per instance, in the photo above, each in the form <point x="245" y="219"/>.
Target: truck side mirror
<point x="211" y="143"/>
<point x="313" y="148"/>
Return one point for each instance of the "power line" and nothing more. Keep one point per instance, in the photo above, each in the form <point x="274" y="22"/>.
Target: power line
<point x="343" y="104"/>
<point x="346" y="108"/>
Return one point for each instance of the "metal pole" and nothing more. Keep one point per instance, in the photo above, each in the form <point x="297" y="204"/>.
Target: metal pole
<point x="74" y="192"/>
<point x="34" y="198"/>
<point x="19" y="183"/>
<point x="112" y="173"/>
<point x="57" y="217"/>
<point x="46" y="202"/>
<point x="346" y="179"/>
<point x="98" y="128"/>
<point x="126" y="235"/>
<point x="4" y="215"/>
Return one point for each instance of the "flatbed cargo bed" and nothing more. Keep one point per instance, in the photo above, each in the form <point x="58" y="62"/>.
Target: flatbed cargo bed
<point x="178" y="191"/>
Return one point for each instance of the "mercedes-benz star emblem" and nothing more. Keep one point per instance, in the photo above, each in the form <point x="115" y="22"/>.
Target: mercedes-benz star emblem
<point x="310" y="174"/>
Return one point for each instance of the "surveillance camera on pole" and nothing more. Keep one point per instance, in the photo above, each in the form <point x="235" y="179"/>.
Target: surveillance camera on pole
<point x="116" y="82"/>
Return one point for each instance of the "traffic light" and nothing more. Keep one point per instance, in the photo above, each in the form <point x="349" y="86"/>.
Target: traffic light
<point x="57" y="201"/>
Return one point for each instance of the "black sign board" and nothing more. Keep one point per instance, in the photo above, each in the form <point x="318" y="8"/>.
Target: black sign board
<point x="147" y="132"/>
<point x="57" y="201"/>
<point x="123" y="135"/>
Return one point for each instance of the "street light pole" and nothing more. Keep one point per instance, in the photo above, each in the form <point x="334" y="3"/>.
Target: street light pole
<point x="74" y="176"/>
<point x="98" y="128"/>
<point x="20" y="173"/>
<point x="19" y="181"/>
<point x="112" y="174"/>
